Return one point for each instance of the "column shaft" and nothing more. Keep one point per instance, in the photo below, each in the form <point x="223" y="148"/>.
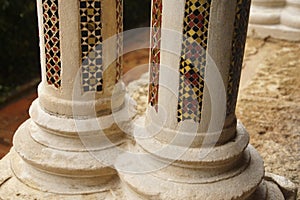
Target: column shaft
<point x="80" y="55"/>
<point x="210" y="35"/>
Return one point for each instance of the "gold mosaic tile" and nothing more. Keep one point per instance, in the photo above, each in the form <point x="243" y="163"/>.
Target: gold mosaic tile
<point x="91" y="45"/>
<point x="193" y="59"/>
<point x="119" y="51"/>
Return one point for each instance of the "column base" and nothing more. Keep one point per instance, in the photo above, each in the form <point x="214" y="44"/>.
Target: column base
<point x="273" y="187"/>
<point x="240" y="186"/>
<point x="36" y="169"/>
<point x="141" y="187"/>
<point x="12" y="188"/>
<point x="60" y="157"/>
<point x="233" y="171"/>
<point x="274" y="31"/>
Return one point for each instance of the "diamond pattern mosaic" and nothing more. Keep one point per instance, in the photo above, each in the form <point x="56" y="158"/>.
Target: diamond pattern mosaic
<point x="155" y="53"/>
<point x="52" y="42"/>
<point x="193" y="59"/>
<point x="238" y="48"/>
<point x="119" y="19"/>
<point x="91" y="45"/>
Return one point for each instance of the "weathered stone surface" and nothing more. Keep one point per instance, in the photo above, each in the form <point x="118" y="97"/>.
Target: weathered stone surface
<point x="275" y="18"/>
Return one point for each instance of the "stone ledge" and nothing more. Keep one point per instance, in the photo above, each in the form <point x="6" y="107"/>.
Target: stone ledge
<point x="275" y="31"/>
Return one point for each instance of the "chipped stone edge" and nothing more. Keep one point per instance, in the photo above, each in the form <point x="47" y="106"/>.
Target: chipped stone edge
<point x="288" y="188"/>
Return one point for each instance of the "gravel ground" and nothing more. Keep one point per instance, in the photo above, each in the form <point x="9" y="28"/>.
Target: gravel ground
<point x="268" y="104"/>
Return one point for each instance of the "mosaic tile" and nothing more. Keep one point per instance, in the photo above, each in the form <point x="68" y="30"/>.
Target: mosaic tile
<point x="91" y="45"/>
<point x="193" y="59"/>
<point x="52" y="42"/>
<point x="238" y="48"/>
<point x="119" y="19"/>
<point x="155" y="53"/>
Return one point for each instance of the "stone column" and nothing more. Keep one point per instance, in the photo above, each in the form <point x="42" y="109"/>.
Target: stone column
<point x="291" y="15"/>
<point x="191" y="145"/>
<point x="266" y="12"/>
<point x="68" y="146"/>
<point x="275" y="18"/>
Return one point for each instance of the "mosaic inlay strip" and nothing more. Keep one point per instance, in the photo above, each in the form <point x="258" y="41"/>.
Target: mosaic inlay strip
<point x="52" y="42"/>
<point x="238" y="48"/>
<point x="119" y="20"/>
<point x="193" y="59"/>
<point x="155" y="52"/>
<point x="91" y="45"/>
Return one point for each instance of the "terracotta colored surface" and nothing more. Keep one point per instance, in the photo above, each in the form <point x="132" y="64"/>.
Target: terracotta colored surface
<point x="11" y="117"/>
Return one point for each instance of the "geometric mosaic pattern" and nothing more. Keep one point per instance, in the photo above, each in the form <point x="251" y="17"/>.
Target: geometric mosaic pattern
<point x="52" y="42"/>
<point x="155" y="53"/>
<point x="91" y="45"/>
<point x="238" y="48"/>
<point x="119" y="20"/>
<point x="193" y="59"/>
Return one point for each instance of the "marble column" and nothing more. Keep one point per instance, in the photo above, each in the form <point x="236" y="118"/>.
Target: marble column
<point x="275" y="18"/>
<point x="67" y="147"/>
<point x="190" y="143"/>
